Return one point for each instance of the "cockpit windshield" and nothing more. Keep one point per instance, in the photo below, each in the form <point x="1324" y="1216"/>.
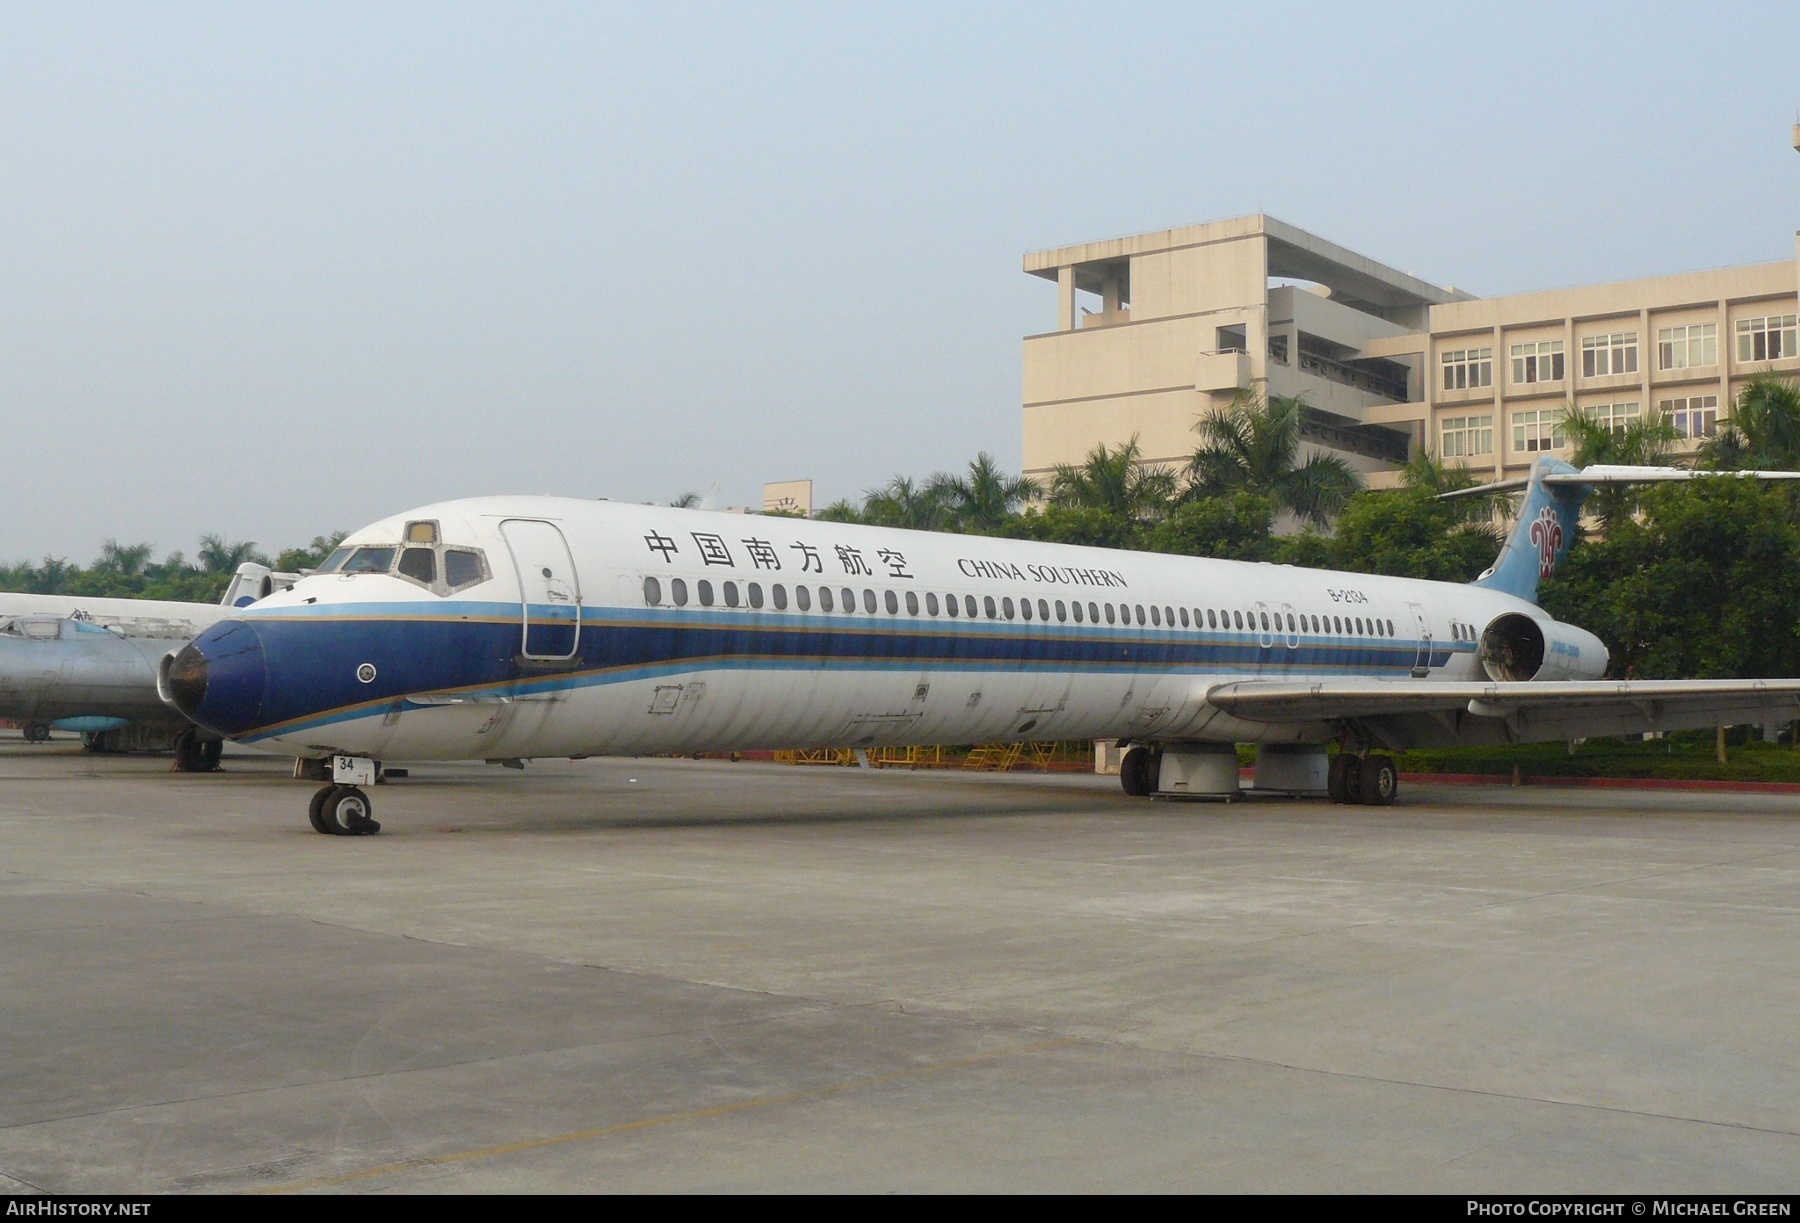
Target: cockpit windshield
<point x="370" y="560"/>
<point x="335" y="561"/>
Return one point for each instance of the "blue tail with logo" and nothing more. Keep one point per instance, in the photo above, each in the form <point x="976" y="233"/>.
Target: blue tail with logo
<point x="1542" y="535"/>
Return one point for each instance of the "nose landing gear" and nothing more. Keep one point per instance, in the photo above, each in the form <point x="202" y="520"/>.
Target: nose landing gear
<point x="342" y="809"/>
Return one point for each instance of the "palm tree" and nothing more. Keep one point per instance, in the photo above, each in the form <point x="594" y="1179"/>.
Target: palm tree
<point x="841" y="510"/>
<point x="1764" y="430"/>
<point x="1643" y="442"/>
<point x="1116" y="481"/>
<point x="1428" y="473"/>
<point x="1253" y="443"/>
<point x="686" y="501"/>
<point x="218" y="556"/>
<point x="902" y="503"/>
<point x="985" y="498"/>
<point x="127" y="560"/>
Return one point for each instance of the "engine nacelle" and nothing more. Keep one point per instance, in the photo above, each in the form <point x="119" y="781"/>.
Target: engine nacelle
<point x="1517" y="647"/>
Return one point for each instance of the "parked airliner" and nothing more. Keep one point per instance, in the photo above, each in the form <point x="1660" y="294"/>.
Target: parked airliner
<point x="506" y="628"/>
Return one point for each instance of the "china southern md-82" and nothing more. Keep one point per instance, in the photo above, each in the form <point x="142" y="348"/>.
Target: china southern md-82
<point x="506" y="628"/>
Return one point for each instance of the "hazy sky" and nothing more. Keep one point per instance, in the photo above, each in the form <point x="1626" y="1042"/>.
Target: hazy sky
<point x="271" y="270"/>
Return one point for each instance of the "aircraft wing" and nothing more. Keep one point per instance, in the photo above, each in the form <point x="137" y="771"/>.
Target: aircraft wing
<point x="1426" y="713"/>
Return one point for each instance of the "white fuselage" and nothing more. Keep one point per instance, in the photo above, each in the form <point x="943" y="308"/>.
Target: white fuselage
<point x="451" y="672"/>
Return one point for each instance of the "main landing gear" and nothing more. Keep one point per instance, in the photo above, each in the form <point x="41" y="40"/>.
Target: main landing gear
<point x="194" y="754"/>
<point x="1372" y="781"/>
<point x="342" y="809"/>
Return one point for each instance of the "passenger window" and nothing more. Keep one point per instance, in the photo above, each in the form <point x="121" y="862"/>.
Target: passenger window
<point x="1094" y="612"/>
<point x="892" y="601"/>
<point x="1110" y="618"/>
<point x="706" y="592"/>
<point x="868" y="600"/>
<point x="1155" y="616"/>
<point x="1043" y="610"/>
<point x="950" y="604"/>
<point x="825" y="598"/>
<point x="778" y="593"/>
<point x="931" y="603"/>
<point x="461" y="568"/>
<point x="652" y="592"/>
<point x="1006" y="607"/>
<point x="802" y="598"/>
<point x="370" y="560"/>
<point x="1077" y="608"/>
<point x="849" y="599"/>
<point x="731" y="593"/>
<point x="419" y="564"/>
<point x="987" y="603"/>
<point x="1025" y="608"/>
<point x="1062" y="612"/>
<point x="1359" y="626"/>
<point x="969" y="605"/>
<point x="1237" y="618"/>
<point x="677" y="591"/>
<point x="1291" y="625"/>
<point x="756" y="595"/>
<point x="1210" y="622"/>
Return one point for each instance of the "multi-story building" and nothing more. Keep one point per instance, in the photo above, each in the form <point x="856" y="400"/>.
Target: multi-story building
<point x="1181" y="320"/>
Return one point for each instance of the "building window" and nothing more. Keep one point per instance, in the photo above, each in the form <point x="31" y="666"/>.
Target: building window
<point x="1466" y="368"/>
<point x="1540" y="362"/>
<point x="1614" y="416"/>
<point x="1767" y="339"/>
<point x="1686" y="347"/>
<point x="1540" y="430"/>
<point x="1460" y="437"/>
<point x="1694" y="416"/>
<point x="1604" y="355"/>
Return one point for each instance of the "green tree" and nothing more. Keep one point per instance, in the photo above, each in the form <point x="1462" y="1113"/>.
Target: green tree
<point x="1704" y="583"/>
<point x="840" y="510"/>
<point x="1412" y="533"/>
<point x="219" y="556"/>
<point x="1644" y="442"/>
<point x="1764" y="430"/>
<point x="902" y="503"/>
<point x="1115" y="481"/>
<point x="1088" y="525"/>
<point x="1235" y="525"/>
<point x="686" y="501"/>
<point x="1253" y="443"/>
<point x="126" y="560"/>
<point x="985" y="498"/>
<point x="293" y="560"/>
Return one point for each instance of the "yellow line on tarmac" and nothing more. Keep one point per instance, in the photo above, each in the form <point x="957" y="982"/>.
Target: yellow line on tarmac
<point x="698" y="1114"/>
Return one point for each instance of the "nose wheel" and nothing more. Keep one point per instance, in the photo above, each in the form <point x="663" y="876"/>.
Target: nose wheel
<point x="343" y="811"/>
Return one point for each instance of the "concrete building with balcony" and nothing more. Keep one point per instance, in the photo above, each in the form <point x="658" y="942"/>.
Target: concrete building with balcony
<point x="1155" y="330"/>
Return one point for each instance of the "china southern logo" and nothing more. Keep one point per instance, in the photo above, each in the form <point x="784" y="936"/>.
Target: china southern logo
<point x="1547" y="534"/>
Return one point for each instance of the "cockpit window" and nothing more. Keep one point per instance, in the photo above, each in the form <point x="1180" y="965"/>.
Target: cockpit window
<point x="462" y="568"/>
<point x="419" y="564"/>
<point x="370" y="560"/>
<point x="333" y="562"/>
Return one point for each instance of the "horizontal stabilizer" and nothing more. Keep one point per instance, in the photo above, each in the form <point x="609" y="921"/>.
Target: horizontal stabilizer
<point x="1605" y="473"/>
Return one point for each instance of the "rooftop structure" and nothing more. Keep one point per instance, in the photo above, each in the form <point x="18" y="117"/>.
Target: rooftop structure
<point x="1178" y="321"/>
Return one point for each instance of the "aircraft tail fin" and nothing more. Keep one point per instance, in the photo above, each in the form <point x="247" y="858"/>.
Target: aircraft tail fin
<point x="1543" y="533"/>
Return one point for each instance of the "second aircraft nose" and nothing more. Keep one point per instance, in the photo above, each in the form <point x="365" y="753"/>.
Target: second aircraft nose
<point x="218" y="679"/>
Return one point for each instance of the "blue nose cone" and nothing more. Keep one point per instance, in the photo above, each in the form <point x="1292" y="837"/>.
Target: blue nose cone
<point x="218" y="679"/>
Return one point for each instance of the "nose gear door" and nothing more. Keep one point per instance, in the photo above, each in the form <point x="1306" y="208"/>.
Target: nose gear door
<point x="549" y="588"/>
